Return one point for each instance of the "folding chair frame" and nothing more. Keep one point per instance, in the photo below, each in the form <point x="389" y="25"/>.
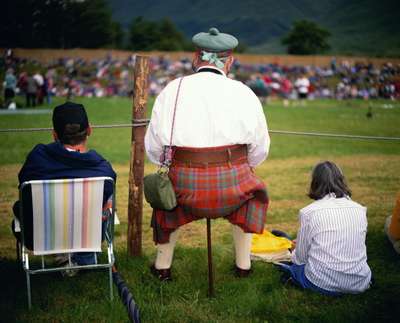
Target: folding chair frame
<point x="23" y="253"/>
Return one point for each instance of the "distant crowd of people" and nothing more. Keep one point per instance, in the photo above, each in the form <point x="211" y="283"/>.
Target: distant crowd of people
<point x="66" y="77"/>
<point x="337" y="81"/>
<point x="71" y="77"/>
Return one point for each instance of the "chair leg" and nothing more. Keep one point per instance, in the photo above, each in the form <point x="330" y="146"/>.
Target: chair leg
<point x="28" y="286"/>
<point x="111" y="283"/>
<point x="18" y="250"/>
<point x="210" y="265"/>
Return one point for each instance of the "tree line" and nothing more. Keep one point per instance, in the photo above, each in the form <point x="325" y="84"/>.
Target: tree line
<point x="89" y="24"/>
<point x="83" y="24"/>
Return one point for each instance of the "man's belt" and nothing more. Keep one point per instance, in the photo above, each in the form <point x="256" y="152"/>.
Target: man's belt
<point x="210" y="157"/>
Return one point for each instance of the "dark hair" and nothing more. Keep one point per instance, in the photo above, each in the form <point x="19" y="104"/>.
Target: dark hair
<point x="327" y="178"/>
<point x="72" y="135"/>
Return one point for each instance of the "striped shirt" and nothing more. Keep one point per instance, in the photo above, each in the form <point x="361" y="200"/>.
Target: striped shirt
<point x="331" y="244"/>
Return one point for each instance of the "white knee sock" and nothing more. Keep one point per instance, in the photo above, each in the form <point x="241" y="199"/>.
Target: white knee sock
<point x="165" y="252"/>
<point x="242" y="242"/>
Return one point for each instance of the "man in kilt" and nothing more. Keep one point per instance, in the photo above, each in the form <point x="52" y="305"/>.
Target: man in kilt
<point x="219" y="135"/>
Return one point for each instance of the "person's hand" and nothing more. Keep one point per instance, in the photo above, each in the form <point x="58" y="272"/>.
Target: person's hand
<point x="293" y="244"/>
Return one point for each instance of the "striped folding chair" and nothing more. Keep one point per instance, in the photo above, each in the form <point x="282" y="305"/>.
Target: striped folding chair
<point x="67" y="218"/>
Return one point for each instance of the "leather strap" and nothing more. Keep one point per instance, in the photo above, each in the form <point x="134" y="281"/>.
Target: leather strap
<point x="173" y="117"/>
<point x="216" y="156"/>
<point x="168" y="150"/>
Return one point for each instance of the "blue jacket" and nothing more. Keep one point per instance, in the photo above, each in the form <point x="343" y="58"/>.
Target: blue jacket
<point x="53" y="161"/>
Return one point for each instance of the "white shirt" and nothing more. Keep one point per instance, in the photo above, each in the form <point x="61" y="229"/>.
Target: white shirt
<point x="39" y="79"/>
<point x="302" y="84"/>
<point x="331" y="244"/>
<point x="212" y="111"/>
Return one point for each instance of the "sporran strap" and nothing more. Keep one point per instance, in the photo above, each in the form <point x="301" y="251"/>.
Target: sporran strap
<point x="168" y="150"/>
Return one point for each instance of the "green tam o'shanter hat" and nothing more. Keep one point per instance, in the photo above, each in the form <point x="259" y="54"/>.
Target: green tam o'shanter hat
<point x="215" y="41"/>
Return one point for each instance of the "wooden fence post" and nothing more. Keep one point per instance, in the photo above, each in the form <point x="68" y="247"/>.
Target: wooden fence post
<point x="136" y="172"/>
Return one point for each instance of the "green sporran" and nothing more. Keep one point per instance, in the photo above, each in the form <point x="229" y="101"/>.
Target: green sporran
<point x="158" y="190"/>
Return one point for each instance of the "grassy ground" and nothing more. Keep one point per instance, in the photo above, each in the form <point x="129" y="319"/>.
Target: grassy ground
<point x="372" y="170"/>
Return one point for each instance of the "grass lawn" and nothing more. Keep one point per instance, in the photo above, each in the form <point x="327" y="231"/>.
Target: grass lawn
<point x="371" y="167"/>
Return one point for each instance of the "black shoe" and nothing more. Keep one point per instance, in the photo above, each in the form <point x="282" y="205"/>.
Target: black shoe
<point x="162" y="274"/>
<point x="286" y="280"/>
<point x="279" y="233"/>
<point x="242" y="273"/>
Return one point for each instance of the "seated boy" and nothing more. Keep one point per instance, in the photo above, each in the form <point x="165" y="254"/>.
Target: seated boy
<point x="66" y="157"/>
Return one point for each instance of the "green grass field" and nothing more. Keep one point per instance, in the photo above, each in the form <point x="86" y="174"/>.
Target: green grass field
<point x="371" y="167"/>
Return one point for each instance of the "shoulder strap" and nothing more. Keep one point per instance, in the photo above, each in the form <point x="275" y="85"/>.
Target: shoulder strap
<point x="168" y="150"/>
<point x="173" y="118"/>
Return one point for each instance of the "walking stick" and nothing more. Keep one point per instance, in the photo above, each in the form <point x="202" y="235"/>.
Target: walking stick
<point x="210" y="267"/>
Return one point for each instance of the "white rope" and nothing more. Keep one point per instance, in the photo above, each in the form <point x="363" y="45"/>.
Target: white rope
<point x="332" y="135"/>
<point x="144" y="122"/>
<point x="104" y="126"/>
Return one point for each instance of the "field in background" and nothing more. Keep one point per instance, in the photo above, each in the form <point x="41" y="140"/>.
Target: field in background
<point x="373" y="172"/>
<point x="347" y="117"/>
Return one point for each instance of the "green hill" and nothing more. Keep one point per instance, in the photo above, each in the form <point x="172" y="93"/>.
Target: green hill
<point x="358" y="26"/>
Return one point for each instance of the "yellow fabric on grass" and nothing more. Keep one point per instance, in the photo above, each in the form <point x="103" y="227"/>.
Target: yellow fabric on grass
<point x="267" y="242"/>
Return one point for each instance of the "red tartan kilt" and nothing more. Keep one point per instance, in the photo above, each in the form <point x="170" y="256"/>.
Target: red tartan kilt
<point x="233" y="192"/>
<point x="214" y="192"/>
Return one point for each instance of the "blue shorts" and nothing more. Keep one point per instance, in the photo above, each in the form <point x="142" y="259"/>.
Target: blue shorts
<point x="296" y="272"/>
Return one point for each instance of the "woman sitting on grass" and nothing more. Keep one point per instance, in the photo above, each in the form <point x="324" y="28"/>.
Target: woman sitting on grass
<point x="330" y="255"/>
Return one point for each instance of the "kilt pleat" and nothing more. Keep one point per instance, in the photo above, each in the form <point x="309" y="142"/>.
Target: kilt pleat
<point x="232" y="192"/>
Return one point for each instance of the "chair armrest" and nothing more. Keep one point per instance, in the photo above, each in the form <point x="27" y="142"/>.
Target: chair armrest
<point x="17" y="226"/>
